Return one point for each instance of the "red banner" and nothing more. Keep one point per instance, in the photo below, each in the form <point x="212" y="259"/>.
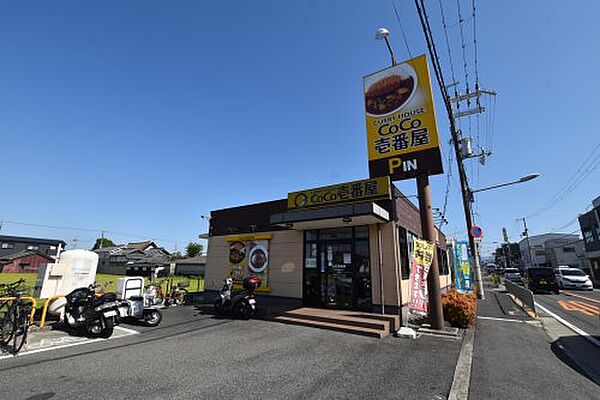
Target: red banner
<point x="421" y="262"/>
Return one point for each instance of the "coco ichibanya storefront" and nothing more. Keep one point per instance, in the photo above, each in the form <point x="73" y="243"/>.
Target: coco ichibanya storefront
<point x="340" y="246"/>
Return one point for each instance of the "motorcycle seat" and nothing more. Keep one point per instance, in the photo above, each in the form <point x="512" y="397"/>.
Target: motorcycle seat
<point x="136" y="298"/>
<point x="108" y="297"/>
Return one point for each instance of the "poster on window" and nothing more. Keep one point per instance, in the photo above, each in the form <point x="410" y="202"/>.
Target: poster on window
<point x="462" y="268"/>
<point x="421" y="262"/>
<point x="249" y="256"/>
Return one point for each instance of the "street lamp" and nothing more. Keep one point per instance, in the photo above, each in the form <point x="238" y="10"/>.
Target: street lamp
<point x="384" y="34"/>
<point x="526" y="178"/>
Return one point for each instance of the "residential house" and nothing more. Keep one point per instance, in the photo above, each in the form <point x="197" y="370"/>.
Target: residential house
<point x="137" y="258"/>
<point x="15" y="244"/>
<point x="23" y="261"/>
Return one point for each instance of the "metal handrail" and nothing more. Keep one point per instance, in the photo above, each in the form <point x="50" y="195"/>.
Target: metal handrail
<point x="23" y="298"/>
<point x="523" y="294"/>
<point x="45" y="309"/>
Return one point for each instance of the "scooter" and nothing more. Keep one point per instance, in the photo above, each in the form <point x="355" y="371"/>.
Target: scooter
<point x="96" y="315"/>
<point x="135" y="308"/>
<point x="240" y="305"/>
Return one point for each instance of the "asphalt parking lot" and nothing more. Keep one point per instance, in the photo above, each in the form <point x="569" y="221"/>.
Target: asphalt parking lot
<point x="193" y="355"/>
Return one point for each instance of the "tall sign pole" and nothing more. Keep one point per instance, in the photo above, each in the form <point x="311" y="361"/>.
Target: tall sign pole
<point x="436" y="313"/>
<point x="403" y="143"/>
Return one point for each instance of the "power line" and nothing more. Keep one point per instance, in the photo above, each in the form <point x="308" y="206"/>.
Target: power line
<point x="463" y="45"/>
<point x="70" y="228"/>
<point x="587" y="167"/>
<point x="402" y="29"/>
<point x="448" y="47"/>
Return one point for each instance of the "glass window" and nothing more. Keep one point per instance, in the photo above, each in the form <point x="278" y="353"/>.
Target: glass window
<point x="6" y="245"/>
<point x="310" y="256"/>
<point x="32" y="247"/>
<point x="569" y="249"/>
<point x="336" y="233"/>
<point x="361" y="232"/>
<point x="311" y="235"/>
<point x="404" y="255"/>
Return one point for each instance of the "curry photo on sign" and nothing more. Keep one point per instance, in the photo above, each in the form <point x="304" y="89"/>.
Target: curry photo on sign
<point x="402" y="134"/>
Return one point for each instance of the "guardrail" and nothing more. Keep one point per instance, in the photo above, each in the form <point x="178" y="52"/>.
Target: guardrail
<point x="524" y="295"/>
<point x="45" y="309"/>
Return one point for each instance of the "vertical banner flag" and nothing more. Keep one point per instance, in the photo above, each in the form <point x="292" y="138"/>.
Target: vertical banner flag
<point x="402" y="134"/>
<point x="462" y="267"/>
<point x="421" y="262"/>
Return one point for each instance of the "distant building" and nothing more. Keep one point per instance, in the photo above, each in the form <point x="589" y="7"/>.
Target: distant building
<point x="534" y="251"/>
<point x="590" y="229"/>
<point x="508" y="256"/>
<point x="565" y="251"/>
<point x="15" y="244"/>
<point x="23" y="261"/>
<point x="190" y="266"/>
<point x="136" y="258"/>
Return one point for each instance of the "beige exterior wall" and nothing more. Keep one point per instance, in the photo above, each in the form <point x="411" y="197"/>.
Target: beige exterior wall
<point x="285" y="263"/>
<point x="390" y="265"/>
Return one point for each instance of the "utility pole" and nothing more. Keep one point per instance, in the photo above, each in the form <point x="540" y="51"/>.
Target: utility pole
<point x="101" y="239"/>
<point x="467" y="195"/>
<point x="526" y="234"/>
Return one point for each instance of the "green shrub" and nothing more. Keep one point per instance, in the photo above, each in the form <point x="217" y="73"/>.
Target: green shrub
<point x="460" y="309"/>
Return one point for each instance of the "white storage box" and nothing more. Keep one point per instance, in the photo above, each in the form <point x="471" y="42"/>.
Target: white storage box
<point x="129" y="287"/>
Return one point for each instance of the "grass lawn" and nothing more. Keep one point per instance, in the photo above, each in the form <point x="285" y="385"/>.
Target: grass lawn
<point x="107" y="281"/>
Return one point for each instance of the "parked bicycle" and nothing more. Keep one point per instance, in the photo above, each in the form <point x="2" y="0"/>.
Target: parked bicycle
<point x="14" y="321"/>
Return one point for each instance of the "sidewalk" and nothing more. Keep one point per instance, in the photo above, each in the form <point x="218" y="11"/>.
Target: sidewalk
<point x="514" y="358"/>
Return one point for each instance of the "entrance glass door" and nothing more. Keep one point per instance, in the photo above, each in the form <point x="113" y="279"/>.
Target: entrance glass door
<point x="337" y="272"/>
<point x="336" y="275"/>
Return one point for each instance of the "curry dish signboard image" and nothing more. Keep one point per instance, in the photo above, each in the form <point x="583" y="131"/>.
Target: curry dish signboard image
<point x="402" y="133"/>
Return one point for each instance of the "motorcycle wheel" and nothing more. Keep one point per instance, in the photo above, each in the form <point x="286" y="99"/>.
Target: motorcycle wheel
<point x="243" y="310"/>
<point x="95" y="329"/>
<point x="218" y="307"/>
<point x="152" y="317"/>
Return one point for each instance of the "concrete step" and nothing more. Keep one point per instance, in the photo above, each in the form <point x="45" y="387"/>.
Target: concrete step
<point x="339" y="327"/>
<point x="340" y="318"/>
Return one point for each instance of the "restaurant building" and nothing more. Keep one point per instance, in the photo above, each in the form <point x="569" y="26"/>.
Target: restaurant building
<point x="345" y="246"/>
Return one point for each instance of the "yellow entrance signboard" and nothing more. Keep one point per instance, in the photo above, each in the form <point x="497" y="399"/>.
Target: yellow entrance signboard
<point x="349" y="192"/>
<point x="402" y="134"/>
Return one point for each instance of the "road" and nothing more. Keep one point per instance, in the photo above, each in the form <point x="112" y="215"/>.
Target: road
<point x="193" y="355"/>
<point x="581" y="308"/>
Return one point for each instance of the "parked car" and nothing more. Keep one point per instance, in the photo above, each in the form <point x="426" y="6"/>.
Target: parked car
<point x="572" y="278"/>
<point x="541" y="279"/>
<point x="513" y="275"/>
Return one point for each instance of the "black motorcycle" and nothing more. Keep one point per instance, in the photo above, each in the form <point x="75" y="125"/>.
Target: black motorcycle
<point x="240" y="305"/>
<point x="95" y="315"/>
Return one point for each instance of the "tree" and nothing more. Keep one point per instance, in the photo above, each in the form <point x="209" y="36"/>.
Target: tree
<point x="193" y="249"/>
<point x="176" y="255"/>
<point x="105" y="243"/>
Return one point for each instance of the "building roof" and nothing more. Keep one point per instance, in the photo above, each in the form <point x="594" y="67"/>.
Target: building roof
<point x="23" y="254"/>
<point x="192" y="260"/>
<point x="141" y="245"/>
<point x="25" y="239"/>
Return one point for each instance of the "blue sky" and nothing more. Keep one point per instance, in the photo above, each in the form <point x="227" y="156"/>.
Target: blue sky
<point x="136" y="117"/>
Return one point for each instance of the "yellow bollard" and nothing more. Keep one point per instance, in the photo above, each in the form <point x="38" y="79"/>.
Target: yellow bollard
<point x="23" y="298"/>
<point x="45" y="309"/>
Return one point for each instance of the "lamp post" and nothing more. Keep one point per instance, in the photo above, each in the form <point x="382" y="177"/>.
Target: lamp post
<point x="526" y="178"/>
<point x="436" y="314"/>
<point x="478" y="280"/>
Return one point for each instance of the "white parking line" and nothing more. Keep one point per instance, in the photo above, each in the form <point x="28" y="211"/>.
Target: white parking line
<point x="127" y="332"/>
<point x="569" y="325"/>
<point x="500" y="319"/>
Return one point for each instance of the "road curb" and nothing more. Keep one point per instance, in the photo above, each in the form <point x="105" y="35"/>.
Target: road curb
<point x="462" y="373"/>
<point x="569" y="325"/>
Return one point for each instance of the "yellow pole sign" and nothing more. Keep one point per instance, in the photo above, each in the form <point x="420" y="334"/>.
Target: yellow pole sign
<point x="402" y="134"/>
